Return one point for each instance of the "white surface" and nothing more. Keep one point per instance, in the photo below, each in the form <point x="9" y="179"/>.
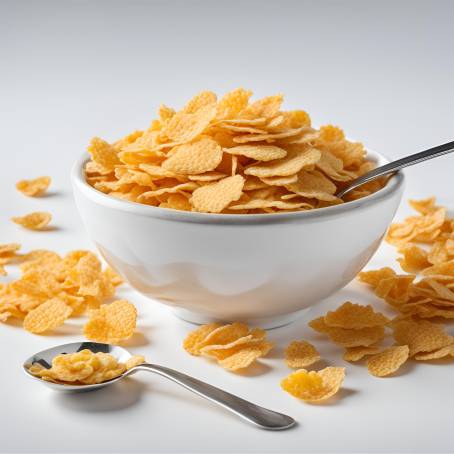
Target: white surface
<point x="234" y="267"/>
<point x="71" y="70"/>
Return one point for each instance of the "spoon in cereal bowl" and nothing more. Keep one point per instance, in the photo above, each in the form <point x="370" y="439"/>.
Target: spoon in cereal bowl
<point x="394" y="166"/>
<point x="39" y="365"/>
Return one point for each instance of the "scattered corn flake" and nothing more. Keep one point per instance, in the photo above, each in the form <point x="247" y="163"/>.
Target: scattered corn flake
<point x="442" y="352"/>
<point x="217" y="196"/>
<point x="388" y="361"/>
<point x="37" y="220"/>
<point x="424" y="206"/>
<point x="349" y="337"/>
<point x="255" y="337"/>
<point x="47" y="316"/>
<point x="354" y="354"/>
<point x="234" y="345"/>
<point x="314" y="386"/>
<point x="112" y="323"/>
<point x="374" y="277"/>
<point x="245" y="356"/>
<point x="300" y="354"/>
<point x="195" y="338"/>
<point x="34" y="187"/>
<point x="424" y="228"/>
<point x="354" y="316"/>
<point x="420" y="336"/>
<point x="414" y="259"/>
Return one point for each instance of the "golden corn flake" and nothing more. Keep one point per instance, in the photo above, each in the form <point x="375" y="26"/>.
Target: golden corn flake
<point x="234" y="346"/>
<point x="313" y="185"/>
<point x="133" y="361"/>
<point x="414" y="258"/>
<point x="112" y="323"/>
<point x="314" y="386"/>
<point x="47" y="316"/>
<point x="194" y="341"/>
<point x="9" y="249"/>
<point x="423" y="228"/>
<point x="104" y="154"/>
<point x="354" y="354"/>
<point x="289" y="165"/>
<point x="35" y="187"/>
<point x="217" y="196"/>
<point x="442" y="352"/>
<point x="209" y="140"/>
<point x="349" y="337"/>
<point x="299" y="354"/>
<point x="258" y="152"/>
<point x="355" y="316"/>
<point x="244" y="357"/>
<point x="374" y="277"/>
<point x="254" y="204"/>
<point x="280" y="181"/>
<point x="421" y="336"/>
<point x="184" y="127"/>
<point x="388" y="361"/>
<point x="198" y="157"/>
<point x="37" y="220"/>
<point x="203" y="99"/>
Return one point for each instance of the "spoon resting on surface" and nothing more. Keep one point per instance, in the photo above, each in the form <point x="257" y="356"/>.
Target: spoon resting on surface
<point x="259" y="416"/>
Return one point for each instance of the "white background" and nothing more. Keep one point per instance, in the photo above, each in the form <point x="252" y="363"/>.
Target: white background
<point x="73" y="69"/>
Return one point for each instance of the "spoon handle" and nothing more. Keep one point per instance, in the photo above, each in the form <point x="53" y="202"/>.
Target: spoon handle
<point x="399" y="164"/>
<point x="261" y="417"/>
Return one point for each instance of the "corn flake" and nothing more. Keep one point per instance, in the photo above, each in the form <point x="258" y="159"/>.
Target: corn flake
<point x="112" y="323"/>
<point x="37" y="220"/>
<point x="217" y="196"/>
<point x="35" y="187"/>
<point x="299" y="354"/>
<point x="47" y="316"/>
<point x="314" y="386"/>
<point x="388" y="361"/>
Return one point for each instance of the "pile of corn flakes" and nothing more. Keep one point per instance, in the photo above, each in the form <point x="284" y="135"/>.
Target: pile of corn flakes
<point x="426" y="242"/>
<point x="230" y="156"/>
<point x="53" y="288"/>
<point x="234" y="346"/>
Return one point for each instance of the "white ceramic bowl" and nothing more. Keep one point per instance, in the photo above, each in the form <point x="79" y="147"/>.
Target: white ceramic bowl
<point x="260" y="268"/>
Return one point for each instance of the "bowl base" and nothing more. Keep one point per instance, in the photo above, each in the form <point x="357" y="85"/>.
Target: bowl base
<point x="263" y="322"/>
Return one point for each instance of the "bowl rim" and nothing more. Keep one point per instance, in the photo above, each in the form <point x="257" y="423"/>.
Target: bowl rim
<point x="394" y="184"/>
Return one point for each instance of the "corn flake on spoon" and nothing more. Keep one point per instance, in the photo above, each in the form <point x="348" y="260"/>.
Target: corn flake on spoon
<point x="259" y="416"/>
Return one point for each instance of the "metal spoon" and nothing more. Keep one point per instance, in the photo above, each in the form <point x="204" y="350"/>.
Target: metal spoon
<point x="259" y="416"/>
<point x="394" y="166"/>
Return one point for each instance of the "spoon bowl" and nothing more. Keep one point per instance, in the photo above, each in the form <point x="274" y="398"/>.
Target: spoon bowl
<point x="258" y="416"/>
<point x="44" y="358"/>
